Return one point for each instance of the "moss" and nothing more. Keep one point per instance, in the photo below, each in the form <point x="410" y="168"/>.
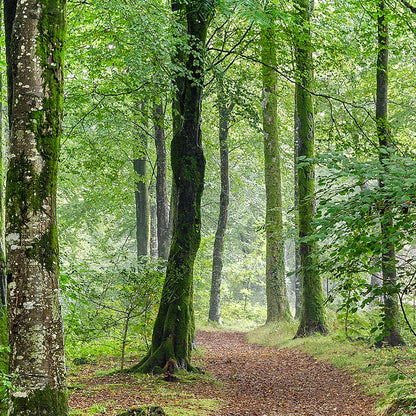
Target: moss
<point x="47" y="401"/>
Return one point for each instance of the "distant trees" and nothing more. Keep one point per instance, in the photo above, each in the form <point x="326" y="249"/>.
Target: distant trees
<point x="35" y="33"/>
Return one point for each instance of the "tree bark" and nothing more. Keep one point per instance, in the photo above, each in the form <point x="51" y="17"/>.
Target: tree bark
<point x="142" y="193"/>
<point x="298" y="274"/>
<point x="3" y="285"/>
<point x="224" y="113"/>
<point x="163" y="229"/>
<point x="388" y="256"/>
<point x="35" y="49"/>
<point x="276" y="291"/>
<point x="312" y="319"/>
<point x="173" y="332"/>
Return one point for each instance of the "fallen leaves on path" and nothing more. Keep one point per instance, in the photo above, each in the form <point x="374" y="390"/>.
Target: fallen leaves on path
<point x="262" y="381"/>
<point x="253" y="381"/>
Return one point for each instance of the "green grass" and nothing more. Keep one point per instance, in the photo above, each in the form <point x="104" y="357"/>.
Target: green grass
<point x="386" y="373"/>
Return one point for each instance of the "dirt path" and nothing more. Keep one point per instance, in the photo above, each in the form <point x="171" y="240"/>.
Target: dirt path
<point x="253" y="381"/>
<point x="261" y="381"/>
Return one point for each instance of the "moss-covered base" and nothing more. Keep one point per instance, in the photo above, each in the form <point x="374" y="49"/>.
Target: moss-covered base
<point x="40" y="402"/>
<point x="311" y="328"/>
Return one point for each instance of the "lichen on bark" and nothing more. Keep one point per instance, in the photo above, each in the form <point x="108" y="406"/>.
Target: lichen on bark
<point x="34" y="43"/>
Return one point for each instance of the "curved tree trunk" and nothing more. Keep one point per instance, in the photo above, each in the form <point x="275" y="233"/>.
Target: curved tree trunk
<point x="35" y="61"/>
<point x="276" y="292"/>
<point x="174" y="327"/>
<point x="224" y="113"/>
<point x="163" y="229"/>
<point x="388" y="257"/>
<point x="312" y="319"/>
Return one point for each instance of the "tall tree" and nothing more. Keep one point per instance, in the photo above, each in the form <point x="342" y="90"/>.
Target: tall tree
<point x="388" y="255"/>
<point x="312" y="319"/>
<point x="162" y="202"/>
<point x="224" y="113"/>
<point x="297" y="274"/>
<point x="276" y="292"/>
<point x="173" y="332"/>
<point x="142" y="191"/>
<point x="35" y="52"/>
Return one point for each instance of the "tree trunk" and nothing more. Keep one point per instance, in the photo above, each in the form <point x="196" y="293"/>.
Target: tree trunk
<point x="142" y="194"/>
<point x="388" y="257"/>
<point x="298" y="274"/>
<point x="163" y="229"/>
<point x="312" y="319"/>
<point x="35" y="60"/>
<point x="276" y="292"/>
<point x="3" y="286"/>
<point x="224" y="113"/>
<point x="174" y="327"/>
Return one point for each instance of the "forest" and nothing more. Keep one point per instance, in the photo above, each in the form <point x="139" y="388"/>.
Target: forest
<point x="208" y="207"/>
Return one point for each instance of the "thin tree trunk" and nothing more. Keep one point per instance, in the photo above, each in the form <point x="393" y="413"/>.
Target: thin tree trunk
<point x="224" y="113"/>
<point x="3" y="286"/>
<point x="142" y="193"/>
<point x="35" y="60"/>
<point x="298" y="273"/>
<point x="276" y="291"/>
<point x="124" y="340"/>
<point x="163" y="229"/>
<point x="312" y="319"/>
<point x="154" y="245"/>
<point x="174" y="328"/>
<point x="388" y="257"/>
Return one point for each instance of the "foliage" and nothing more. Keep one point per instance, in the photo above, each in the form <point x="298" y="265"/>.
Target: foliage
<point x="123" y="299"/>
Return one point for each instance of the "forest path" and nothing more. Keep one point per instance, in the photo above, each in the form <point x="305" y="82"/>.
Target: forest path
<point x="249" y="380"/>
<point x="260" y="381"/>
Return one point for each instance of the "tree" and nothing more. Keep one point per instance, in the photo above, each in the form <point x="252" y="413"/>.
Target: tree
<point x="388" y="254"/>
<point x="174" y="327"/>
<point x="312" y="319"/>
<point x="162" y="202"/>
<point x="142" y="191"/>
<point x="35" y="48"/>
<point x="224" y="113"/>
<point x="276" y="292"/>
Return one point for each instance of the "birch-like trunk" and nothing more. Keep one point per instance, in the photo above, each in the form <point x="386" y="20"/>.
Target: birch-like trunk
<point x="35" y="49"/>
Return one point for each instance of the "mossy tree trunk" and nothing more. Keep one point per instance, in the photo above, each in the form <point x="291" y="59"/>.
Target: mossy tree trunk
<point x="312" y="319"/>
<point x="224" y="114"/>
<point x="162" y="202"/>
<point x="388" y="257"/>
<point x="142" y="191"/>
<point x="297" y="274"/>
<point x="173" y="332"/>
<point x="3" y="286"/>
<point x="35" y="51"/>
<point x="276" y="291"/>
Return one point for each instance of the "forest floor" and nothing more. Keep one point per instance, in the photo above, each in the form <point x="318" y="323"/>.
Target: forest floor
<point x="244" y="379"/>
